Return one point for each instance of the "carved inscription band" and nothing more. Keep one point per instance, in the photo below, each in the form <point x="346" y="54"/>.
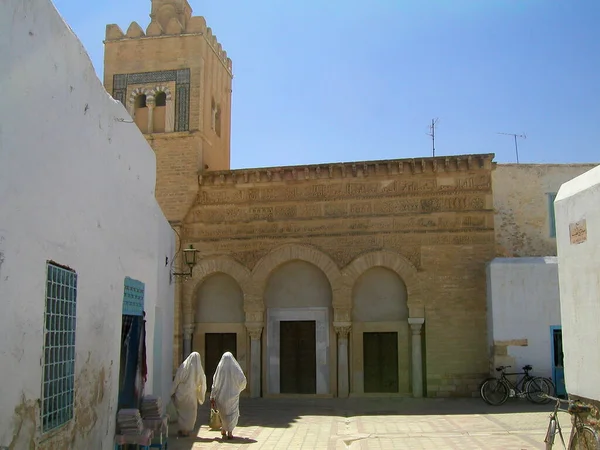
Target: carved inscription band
<point x="342" y="190"/>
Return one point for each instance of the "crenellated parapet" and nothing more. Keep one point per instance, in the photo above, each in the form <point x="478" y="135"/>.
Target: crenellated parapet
<point x="362" y="169"/>
<point x="170" y="18"/>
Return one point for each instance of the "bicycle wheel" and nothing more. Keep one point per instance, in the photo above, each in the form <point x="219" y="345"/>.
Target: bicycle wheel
<point x="537" y="386"/>
<point x="549" y="440"/>
<point x="494" y="391"/>
<point x="584" y="438"/>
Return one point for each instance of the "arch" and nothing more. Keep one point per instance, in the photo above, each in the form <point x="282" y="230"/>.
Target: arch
<point x="388" y="259"/>
<point x="297" y="284"/>
<point x="139" y="91"/>
<point x="209" y="266"/>
<point x="385" y="287"/>
<point x="163" y="89"/>
<point x="140" y="101"/>
<point x="291" y="252"/>
<point x="219" y="299"/>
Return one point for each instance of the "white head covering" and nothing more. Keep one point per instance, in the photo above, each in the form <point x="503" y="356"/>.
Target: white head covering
<point x="229" y="379"/>
<point x="190" y="380"/>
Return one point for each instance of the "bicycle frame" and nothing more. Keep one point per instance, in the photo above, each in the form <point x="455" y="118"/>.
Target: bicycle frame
<point x="551" y="432"/>
<point x="519" y="386"/>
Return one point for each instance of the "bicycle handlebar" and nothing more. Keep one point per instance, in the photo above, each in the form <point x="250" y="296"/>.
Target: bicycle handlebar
<point x="556" y="399"/>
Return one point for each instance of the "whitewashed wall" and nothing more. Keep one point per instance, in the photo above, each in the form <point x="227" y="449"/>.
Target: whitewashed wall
<point x="523" y="303"/>
<point x="579" y="273"/>
<point x="76" y="187"/>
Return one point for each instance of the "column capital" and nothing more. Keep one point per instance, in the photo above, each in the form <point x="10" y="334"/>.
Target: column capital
<point x="188" y="329"/>
<point x="254" y="330"/>
<point x="416" y="323"/>
<point x="342" y="328"/>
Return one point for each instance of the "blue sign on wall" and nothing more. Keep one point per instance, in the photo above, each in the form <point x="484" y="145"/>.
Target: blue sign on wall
<point x="133" y="297"/>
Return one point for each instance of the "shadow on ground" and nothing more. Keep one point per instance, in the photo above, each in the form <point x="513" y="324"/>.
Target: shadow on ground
<point x="284" y="412"/>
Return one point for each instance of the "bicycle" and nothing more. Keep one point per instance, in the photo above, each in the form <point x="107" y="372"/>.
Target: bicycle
<point x="583" y="436"/>
<point x="496" y="391"/>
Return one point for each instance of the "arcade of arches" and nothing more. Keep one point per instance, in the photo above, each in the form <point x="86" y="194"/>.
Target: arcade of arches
<point x="300" y="325"/>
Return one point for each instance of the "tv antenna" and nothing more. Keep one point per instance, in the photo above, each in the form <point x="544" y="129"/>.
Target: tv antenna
<point x="515" y="136"/>
<point x="432" y="134"/>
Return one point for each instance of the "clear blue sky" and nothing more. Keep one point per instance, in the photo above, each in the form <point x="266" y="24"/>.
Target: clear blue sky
<point x="330" y="80"/>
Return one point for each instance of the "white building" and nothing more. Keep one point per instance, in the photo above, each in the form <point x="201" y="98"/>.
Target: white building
<point x="577" y="209"/>
<point x="80" y="230"/>
<point x="523" y="308"/>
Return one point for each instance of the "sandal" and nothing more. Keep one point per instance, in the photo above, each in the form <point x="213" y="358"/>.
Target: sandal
<point x="229" y="435"/>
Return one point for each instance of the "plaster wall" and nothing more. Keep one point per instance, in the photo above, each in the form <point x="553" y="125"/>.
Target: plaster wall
<point x="379" y="296"/>
<point x="522" y="206"/>
<point x="220" y="300"/>
<point x="578" y="239"/>
<point x="523" y="303"/>
<point x="77" y="187"/>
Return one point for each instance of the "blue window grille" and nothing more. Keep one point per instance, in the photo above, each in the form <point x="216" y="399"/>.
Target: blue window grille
<point x="551" y="216"/>
<point x="133" y="297"/>
<point x="59" y="346"/>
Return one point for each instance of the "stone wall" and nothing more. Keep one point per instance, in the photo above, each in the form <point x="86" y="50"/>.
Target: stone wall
<point x="180" y="55"/>
<point x="523" y="196"/>
<point x="433" y="216"/>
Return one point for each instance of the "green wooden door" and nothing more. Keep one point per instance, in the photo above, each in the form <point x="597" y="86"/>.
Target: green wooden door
<point x="298" y="357"/>
<point x="380" y="356"/>
<point x="215" y="345"/>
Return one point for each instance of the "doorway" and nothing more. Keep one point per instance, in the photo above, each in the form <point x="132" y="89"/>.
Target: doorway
<point x="298" y="357"/>
<point x="380" y="356"/>
<point x="558" y="370"/>
<point x="215" y="344"/>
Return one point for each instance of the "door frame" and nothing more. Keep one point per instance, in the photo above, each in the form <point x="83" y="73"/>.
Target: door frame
<point x="321" y="316"/>
<point x="555" y="376"/>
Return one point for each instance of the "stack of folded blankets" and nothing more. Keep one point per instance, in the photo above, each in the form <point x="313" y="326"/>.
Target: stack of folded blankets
<point x="129" y="421"/>
<point x="151" y="407"/>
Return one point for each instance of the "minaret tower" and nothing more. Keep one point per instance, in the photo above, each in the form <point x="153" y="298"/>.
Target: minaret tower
<point x="175" y="81"/>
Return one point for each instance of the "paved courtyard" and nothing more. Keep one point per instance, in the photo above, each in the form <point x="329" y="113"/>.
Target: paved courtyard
<point x="369" y="423"/>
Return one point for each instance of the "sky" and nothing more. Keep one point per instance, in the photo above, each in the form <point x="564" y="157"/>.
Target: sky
<point x="319" y="81"/>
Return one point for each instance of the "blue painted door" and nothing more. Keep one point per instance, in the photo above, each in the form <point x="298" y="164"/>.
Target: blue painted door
<point x="558" y="371"/>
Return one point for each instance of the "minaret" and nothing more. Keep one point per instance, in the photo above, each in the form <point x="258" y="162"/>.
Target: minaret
<point x="175" y="81"/>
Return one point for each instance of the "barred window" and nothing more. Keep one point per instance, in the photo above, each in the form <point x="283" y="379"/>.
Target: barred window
<point x="59" y="346"/>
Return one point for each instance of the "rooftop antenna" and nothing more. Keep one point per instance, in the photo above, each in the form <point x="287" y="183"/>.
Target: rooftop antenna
<point x="432" y="134"/>
<point x="515" y="136"/>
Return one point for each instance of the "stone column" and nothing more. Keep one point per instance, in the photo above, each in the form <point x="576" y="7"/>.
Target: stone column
<point x="342" y="330"/>
<point x="187" y="339"/>
<point x="417" y="355"/>
<point x="169" y="117"/>
<point x="150" y="105"/>
<point x="255" y="332"/>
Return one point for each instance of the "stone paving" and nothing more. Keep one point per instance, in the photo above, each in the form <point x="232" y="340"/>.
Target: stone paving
<point x="369" y="423"/>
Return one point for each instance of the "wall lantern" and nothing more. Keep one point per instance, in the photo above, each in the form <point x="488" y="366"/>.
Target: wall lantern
<point x="189" y="258"/>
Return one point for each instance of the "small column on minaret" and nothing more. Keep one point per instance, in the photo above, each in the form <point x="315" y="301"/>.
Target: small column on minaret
<point x="150" y="105"/>
<point x="416" y="323"/>
<point x="255" y="332"/>
<point x="188" y="330"/>
<point x="343" y="330"/>
<point x="169" y="115"/>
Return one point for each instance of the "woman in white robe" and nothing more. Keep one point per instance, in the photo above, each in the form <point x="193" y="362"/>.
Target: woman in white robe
<point x="189" y="389"/>
<point x="228" y="383"/>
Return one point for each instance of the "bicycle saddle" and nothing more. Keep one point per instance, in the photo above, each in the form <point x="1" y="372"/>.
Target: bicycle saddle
<point x="501" y="368"/>
<point x="527" y="368"/>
